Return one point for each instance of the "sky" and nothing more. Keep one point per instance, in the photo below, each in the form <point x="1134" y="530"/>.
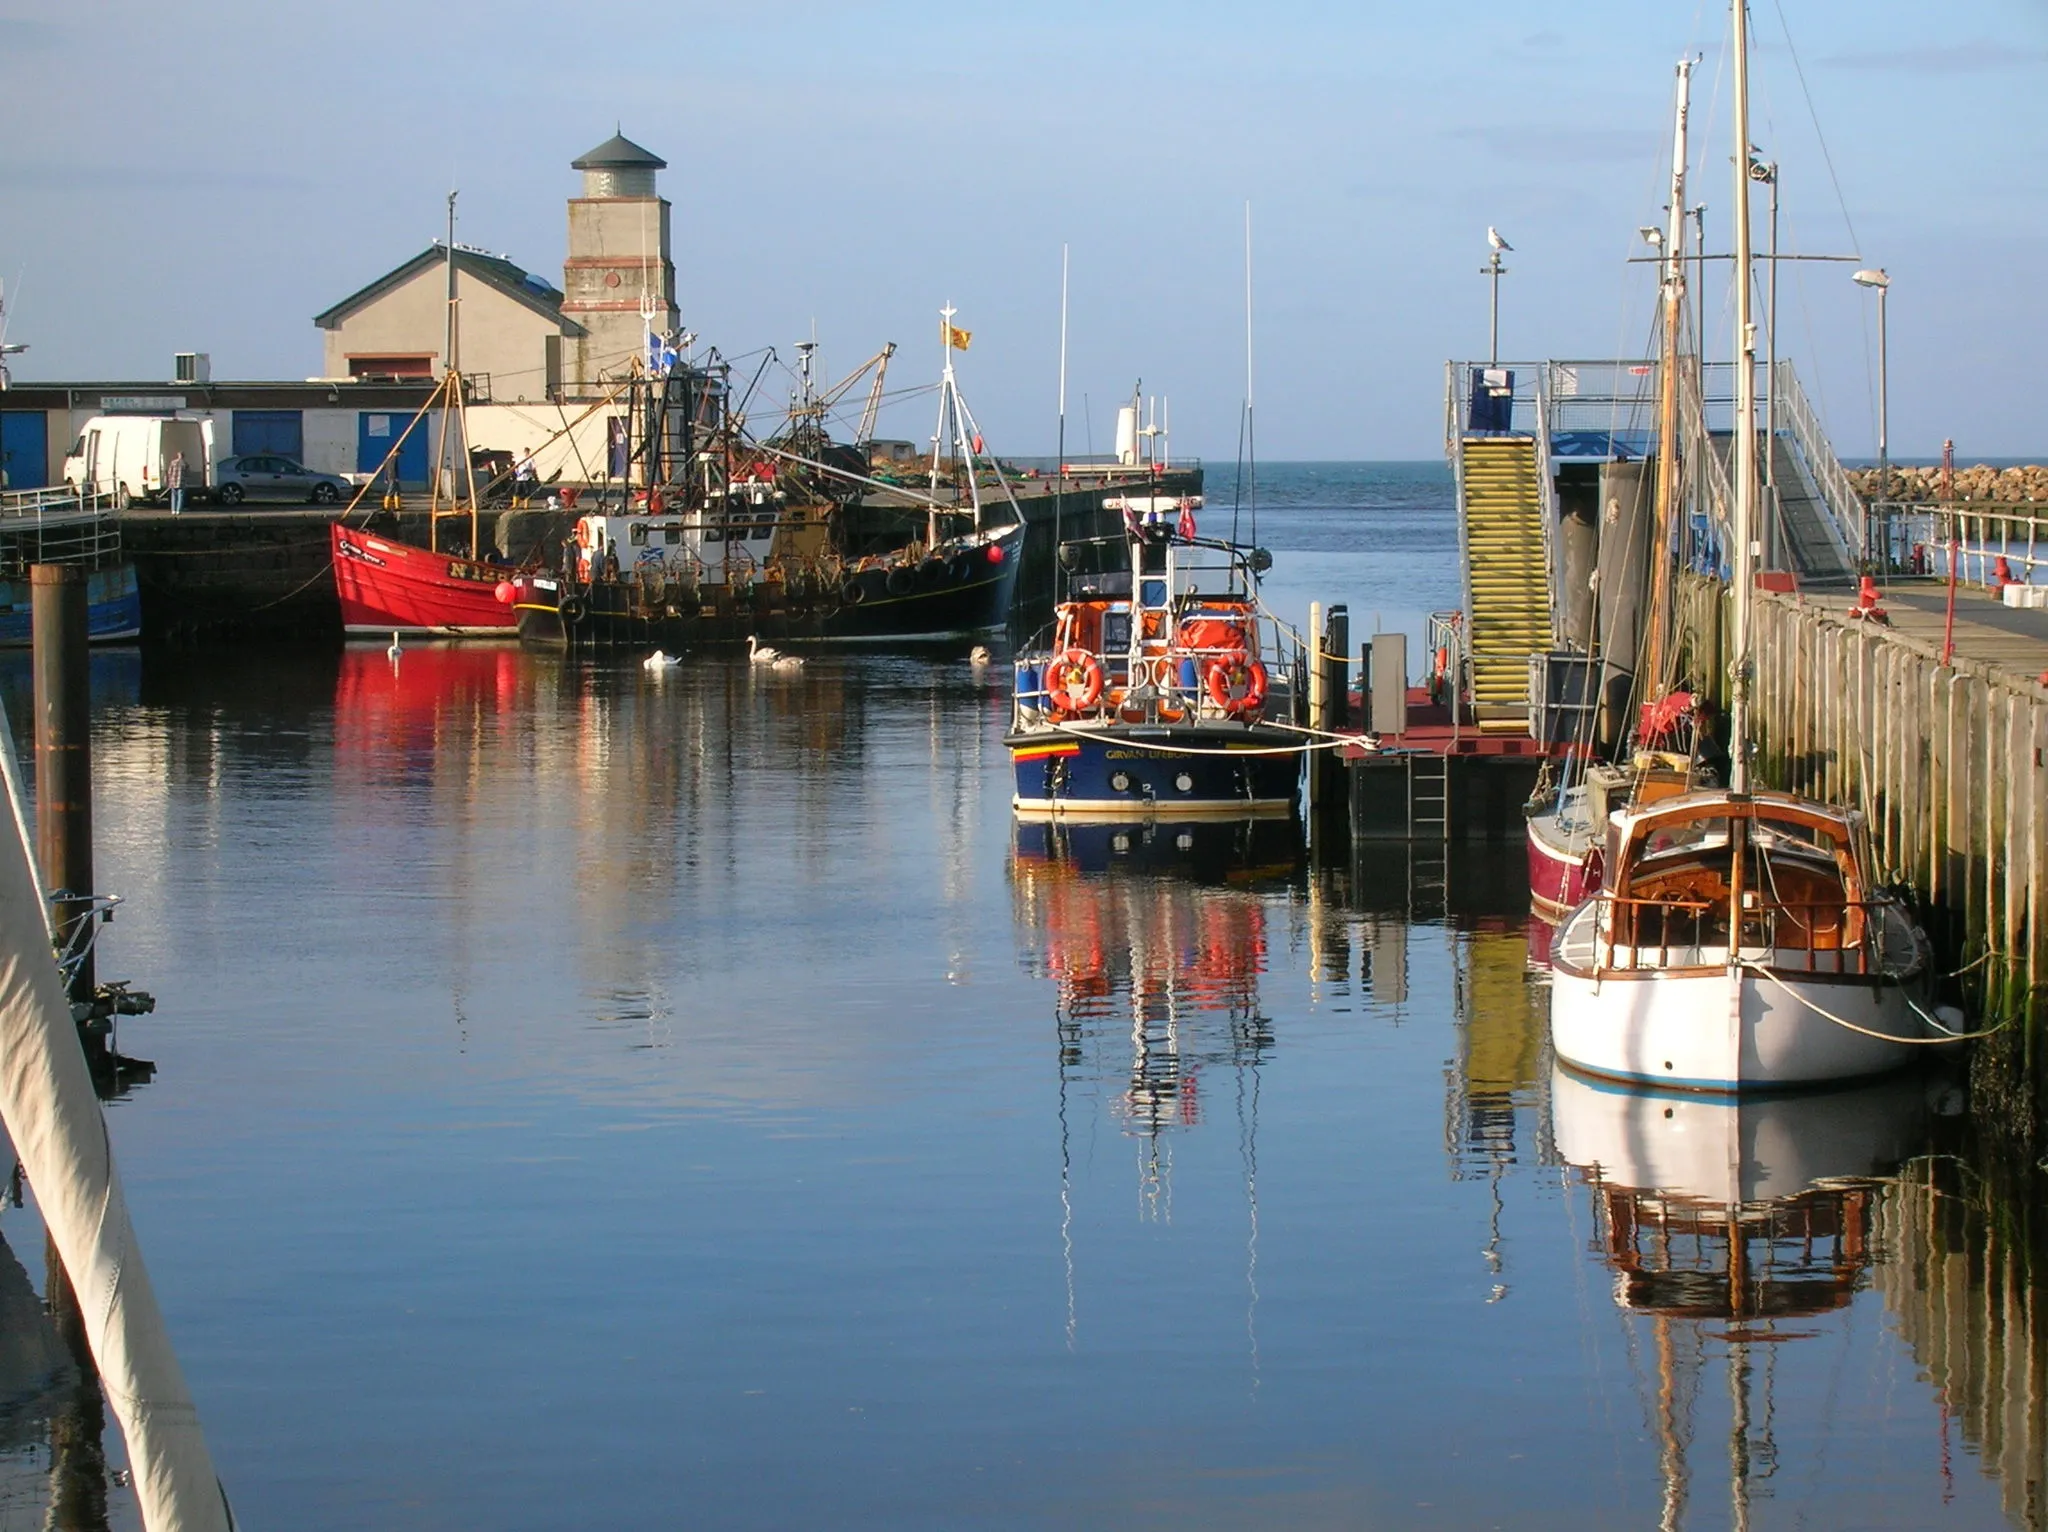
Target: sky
<point x="209" y="176"/>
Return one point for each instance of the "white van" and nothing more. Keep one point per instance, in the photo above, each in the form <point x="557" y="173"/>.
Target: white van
<point x="126" y="457"/>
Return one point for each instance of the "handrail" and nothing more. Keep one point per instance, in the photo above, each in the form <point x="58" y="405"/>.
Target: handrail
<point x="57" y="525"/>
<point x="1699" y="448"/>
<point x="1848" y="516"/>
<point x="1546" y="482"/>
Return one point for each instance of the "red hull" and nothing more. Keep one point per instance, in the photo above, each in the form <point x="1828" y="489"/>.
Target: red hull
<point x="387" y="586"/>
<point x="1559" y="881"/>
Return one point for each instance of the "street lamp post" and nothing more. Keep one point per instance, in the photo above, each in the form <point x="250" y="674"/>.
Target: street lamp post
<point x="1774" y="535"/>
<point x="1494" y="270"/>
<point x="1882" y="283"/>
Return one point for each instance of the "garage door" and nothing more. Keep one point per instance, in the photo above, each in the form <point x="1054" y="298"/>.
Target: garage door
<point x="280" y="433"/>
<point x="375" y="436"/>
<point x="24" y="449"/>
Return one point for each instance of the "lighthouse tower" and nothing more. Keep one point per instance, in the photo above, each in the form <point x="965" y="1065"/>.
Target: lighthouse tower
<point x="618" y="270"/>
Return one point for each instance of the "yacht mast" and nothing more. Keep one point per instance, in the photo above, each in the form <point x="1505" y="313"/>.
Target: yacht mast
<point x="1667" y="397"/>
<point x="1745" y="422"/>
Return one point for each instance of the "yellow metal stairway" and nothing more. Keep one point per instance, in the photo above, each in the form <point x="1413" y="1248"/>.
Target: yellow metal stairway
<point x="1507" y="574"/>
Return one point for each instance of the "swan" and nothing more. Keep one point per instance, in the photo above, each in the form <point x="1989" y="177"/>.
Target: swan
<point x="787" y="662"/>
<point x="662" y="660"/>
<point x="978" y="656"/>
<point x="760" y="655"/>
<point x="394" y="651"/>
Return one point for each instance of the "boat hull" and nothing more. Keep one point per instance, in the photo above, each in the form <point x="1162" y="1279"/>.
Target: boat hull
<point x="1561" y="873"/>
<point x="1718" y="1029"/>
<point x="1122" y="771"/>
<point x="113" y="608"/>
<point x="950" y="603"/>
<point x="386" y="586"/>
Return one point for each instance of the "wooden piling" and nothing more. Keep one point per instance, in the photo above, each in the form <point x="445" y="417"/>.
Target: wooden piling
<point x="63" y="701"/>
<point x="1949" y="765"/>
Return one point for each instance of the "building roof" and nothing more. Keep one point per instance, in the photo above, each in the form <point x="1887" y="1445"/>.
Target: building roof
<point x="619" y="153"/>
<point x="494" y="271"/>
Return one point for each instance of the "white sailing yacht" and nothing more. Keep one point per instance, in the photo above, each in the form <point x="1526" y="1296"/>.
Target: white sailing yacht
<point x="1740" y="938"/>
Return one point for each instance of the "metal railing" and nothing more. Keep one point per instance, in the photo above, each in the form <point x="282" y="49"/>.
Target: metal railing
<point x="56" y="525"/>
<point x="1714" y="494"/>
<point x="1915" y="538"/>
<point x="1847" y="516"/>
<point x="1546" y="482"/>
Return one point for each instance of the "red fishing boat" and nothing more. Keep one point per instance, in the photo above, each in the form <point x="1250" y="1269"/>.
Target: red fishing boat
<point x="388" y="586"/>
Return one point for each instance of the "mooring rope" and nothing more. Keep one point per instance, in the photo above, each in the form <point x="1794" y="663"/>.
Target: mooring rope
<point x="1145" y="744"/>
<point x="1947" y="1036"/>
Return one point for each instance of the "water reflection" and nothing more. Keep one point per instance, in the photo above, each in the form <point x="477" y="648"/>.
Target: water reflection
<point x="53" y="1463"/>
<point x="1968" y="1290"/>
<point x="1154" y="936"/>
<point x="1725" y="1222"/>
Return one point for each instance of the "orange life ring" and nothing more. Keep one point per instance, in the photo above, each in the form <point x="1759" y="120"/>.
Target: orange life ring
<point x="1228" y="673"/>
<point x="1075" y="681"/>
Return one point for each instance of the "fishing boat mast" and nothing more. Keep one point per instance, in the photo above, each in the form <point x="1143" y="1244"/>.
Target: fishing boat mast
<point x="452" y="398"/>
<point x="1745" y="424"/>
<point x="951" y="413"/>
<point x="1667" y="393"/>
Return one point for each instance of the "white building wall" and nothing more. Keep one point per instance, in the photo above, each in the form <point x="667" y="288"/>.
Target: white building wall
<point x="499" y="335"/>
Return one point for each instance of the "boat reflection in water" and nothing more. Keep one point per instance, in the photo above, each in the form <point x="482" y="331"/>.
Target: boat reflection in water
<point x="1721" y="1217"/>
<point x="1154" y="936"/>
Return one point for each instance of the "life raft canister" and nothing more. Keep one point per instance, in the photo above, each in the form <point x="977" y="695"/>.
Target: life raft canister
<point x="1075" y="681"/>
<point x="1237" y="683"/>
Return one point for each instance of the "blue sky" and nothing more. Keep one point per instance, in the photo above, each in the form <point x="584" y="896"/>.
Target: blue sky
<point x="208" y="177"/>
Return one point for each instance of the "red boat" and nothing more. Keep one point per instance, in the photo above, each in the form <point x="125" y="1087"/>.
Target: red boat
<point x="387" y="586"/>
<point x="1564" y="855"/>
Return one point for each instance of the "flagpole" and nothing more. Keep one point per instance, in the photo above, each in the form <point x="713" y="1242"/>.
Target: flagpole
<point x="1062" y="446"/>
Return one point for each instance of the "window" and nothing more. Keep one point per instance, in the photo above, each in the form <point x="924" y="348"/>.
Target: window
<point x="404" y="366"/>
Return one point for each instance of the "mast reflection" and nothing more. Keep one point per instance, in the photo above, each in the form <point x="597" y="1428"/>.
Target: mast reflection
<point x="1154" y="936"/>
<point x="1725" y="1220"/>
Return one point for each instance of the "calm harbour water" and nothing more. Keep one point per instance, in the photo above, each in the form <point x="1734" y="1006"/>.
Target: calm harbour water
<point x="590" y="1097"/>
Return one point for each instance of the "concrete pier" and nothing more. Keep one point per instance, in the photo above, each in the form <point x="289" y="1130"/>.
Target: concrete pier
<point x="1945" y="761"/>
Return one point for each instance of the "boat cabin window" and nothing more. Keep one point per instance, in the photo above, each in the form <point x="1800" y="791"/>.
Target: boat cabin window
<point x="1684" y="836"/>
<point x="637" y="534"/>
<point x="1110" y="584"/>
<point x="1152" y="558"/>
<point x="1116" y="631"/>
<point x="1152" y="593"/>
<point x="671" y="534"/>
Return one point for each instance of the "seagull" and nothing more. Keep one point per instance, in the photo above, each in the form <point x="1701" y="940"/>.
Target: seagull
<point x="785" y="661"/>
<point x="662" y="660"/>
<point x="978" y="656"/>
<point x="1493" y="238"/>
<point x="760" y="655"/>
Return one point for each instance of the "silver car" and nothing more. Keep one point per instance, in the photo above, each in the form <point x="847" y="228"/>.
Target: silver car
<point x="266" y="476"/>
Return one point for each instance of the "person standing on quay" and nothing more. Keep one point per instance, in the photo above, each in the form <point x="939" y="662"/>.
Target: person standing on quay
<point x="174" y="480"/>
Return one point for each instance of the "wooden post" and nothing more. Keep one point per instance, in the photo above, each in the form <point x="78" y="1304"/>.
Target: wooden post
<point x="63" y="701"/>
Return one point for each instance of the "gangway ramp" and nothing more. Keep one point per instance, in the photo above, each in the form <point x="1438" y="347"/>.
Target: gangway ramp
<point x="1507" y="573"/>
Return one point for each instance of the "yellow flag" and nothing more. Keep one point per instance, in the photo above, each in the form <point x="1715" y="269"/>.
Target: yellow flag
<point x="958" y="338"/>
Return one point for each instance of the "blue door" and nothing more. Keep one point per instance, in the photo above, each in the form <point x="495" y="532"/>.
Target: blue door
<point x="24" y="449"/>
<point x="277" y="433"/>
<point x="376" y="432"/>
